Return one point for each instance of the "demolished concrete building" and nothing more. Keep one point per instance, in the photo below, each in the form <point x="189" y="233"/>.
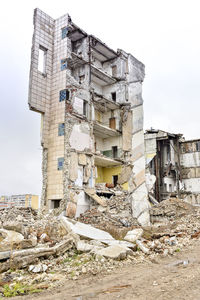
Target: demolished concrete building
<point x="175" y="164"/>
<point x="90" y="100"/>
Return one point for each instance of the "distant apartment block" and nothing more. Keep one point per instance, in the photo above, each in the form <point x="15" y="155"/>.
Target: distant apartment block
<point x="26" y="201"/>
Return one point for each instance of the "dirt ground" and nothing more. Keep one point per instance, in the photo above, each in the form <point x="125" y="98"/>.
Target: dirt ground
<point x="176" y="277"/>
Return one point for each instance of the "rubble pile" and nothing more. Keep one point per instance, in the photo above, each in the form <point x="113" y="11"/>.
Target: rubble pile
<point x="43" y="249"/>
<point x="116" y="214"/>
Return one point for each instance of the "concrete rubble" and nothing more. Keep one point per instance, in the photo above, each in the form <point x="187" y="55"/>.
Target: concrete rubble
<point x="61" y="248"/>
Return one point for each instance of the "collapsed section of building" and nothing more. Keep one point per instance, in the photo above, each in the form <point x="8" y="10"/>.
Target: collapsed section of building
<point x="175" y="165"/>
<point x="90" y="100"/>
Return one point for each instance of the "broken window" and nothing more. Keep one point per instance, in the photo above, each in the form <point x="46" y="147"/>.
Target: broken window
<point x="60" y="163"/>
<point x="64" y="32"/>
<point x="114" y="71"/>
<point x="64" y="95"/>
<point x="55" y="203"/>
<point x="113" y="96"/>
<point x="63" y="64"/>
<point x="114" y="151"/>
<point x="115" y="179"/>
<point x="61" y="129"/>
<point x="42" y="59"/>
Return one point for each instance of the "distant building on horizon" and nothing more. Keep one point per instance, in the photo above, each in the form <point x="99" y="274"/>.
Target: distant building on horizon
<point x="25" y="201"/>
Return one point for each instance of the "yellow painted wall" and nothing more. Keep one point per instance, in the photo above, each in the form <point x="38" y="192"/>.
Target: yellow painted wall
<point x="106" y="175"/>
<point x="99" y="178"/>
<point x="34" y="201"/>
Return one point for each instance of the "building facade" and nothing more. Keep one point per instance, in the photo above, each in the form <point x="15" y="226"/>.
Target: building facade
<point x="90" y="100"/>
<point x="175" y="163"/>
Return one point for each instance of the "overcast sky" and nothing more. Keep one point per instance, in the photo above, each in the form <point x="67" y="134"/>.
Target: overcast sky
<point x="163" y="34"/>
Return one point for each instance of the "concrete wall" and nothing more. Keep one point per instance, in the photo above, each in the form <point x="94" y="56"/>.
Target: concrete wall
<point x="190" y="163"/>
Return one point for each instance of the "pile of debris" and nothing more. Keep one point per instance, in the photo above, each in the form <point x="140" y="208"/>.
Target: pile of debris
<point x="115" y="216"/>
<point x="53" y="249"/>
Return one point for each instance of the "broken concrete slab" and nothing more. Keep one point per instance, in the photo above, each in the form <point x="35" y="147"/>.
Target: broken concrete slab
<point x="9" y="238"/>
<point x="122" y="243"/>
<point x="14" y="226"/>
<point x="92" y="194"/>
<point x="117" y="252"/>
<point x="85" y="247"/>
<point x="133" y="235"/>
<point x="87" y="231"/>
<point x="142" y="247"/>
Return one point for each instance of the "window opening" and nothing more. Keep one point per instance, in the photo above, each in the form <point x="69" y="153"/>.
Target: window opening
<point x="63" y="64"/>
<point x="85" y="108"/>
<point x="81" y="78"/>
<point x="64" y="32"/>
<point x="113" y="96"/>
<point x="42" y="59"/>
<point x="60" y="163"/>
<point x="114" y="151"/>
<point x="64" y="95"/>
<point x="61" y="129"/>
<point x="115" y="179"/>
<point x="198" y="146"/>
<point x="55" y="203"/>
<point x="114" y="71"/>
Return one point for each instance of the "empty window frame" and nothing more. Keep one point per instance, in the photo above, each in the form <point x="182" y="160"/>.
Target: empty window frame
<point x="60" y="163"/>
<point x="63" y="64"/>
<point x="64" y="32"/>
<point x="114" y="151"/>
<point x="113" y="96"/>
<point x="64" y="95"/>
<point x="42" y="59"/>
<point x="61" y="129"/>
<point x="55" y="203"/>
<point x="115" y="179"/>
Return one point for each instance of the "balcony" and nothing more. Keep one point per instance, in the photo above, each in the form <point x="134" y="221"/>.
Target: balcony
<point x="100" y="50"/>
<point x="103" y="131"/>
<point x="75" y="61"/>
<point x="100" y="77"/>
<point x="103" y="104"/>
<point x="103" y="161"/>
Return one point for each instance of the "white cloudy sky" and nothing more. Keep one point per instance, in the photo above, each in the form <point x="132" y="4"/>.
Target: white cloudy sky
<point x="163" y="34"/>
